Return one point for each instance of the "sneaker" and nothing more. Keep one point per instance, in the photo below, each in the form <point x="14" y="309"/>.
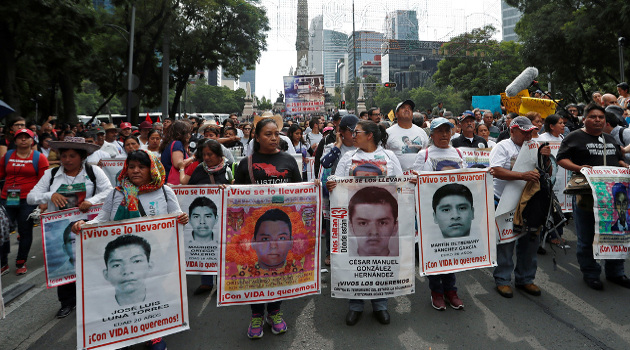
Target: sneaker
<point x="4" y="270"/>
<point x="437" y="301"/>
<point x="20" y="267"/>
<point x="156" y="344"/>
<point x="276" y="322"/>
<point x="255" y="330"/>
<point x="454" y="300"/>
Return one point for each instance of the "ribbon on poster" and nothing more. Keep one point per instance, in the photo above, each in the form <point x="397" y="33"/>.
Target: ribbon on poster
<point x="201" y="234"/>
<point x="270" y="243"/>
<point x="131" y="282"/>
<point x="112" y="167"/>
<point x="504" y="213"/>
<point x="610" y="206"/>
<point x="476" y="156"/>
<point x="455" y="215"/>
<point x="372" y="237"/>
<point x="60" y="242"/>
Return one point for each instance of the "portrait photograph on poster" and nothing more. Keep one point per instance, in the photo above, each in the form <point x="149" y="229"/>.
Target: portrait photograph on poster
<point x="269" y="243"/>
<point x="131" y="275"/>
<point x="372" y="237"/>
<point x="456" y="219"/>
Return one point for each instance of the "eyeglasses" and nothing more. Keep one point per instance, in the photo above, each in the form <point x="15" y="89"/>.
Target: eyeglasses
<point x="355" y="132"/>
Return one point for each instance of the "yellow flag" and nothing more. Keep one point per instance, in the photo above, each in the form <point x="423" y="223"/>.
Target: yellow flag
<point x="391" y="115"/>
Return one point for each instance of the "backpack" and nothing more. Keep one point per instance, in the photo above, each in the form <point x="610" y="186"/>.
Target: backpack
<point x="88" y="169"/>
<point x="35" y="159"/>
<point x="621" y="130"/>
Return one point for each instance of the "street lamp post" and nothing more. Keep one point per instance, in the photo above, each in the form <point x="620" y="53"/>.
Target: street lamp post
<point x="622" y="41"/>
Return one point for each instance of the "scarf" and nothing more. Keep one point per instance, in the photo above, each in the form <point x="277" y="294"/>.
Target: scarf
<point x="211" y="170"/>
<point x="129" y="207"/>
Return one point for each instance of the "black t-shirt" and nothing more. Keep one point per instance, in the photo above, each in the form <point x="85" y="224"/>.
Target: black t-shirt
<point x="585" y="149"/>
<point x="201" y="177"/>
<point x="462" y="141"/>
<point x="268" y="169"/>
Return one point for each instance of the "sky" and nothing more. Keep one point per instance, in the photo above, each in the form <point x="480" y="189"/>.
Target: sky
<point x="437" y="20"/>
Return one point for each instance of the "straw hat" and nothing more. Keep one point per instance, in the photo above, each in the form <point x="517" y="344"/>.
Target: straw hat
<point x="74" y="143"/>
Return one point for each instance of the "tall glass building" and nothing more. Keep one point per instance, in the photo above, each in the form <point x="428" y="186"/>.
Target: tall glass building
<point x="510" y="15"/>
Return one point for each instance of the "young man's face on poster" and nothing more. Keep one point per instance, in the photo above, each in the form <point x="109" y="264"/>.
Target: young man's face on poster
<point x="621" y="206"/>
<point x="454" y="215"/>
<point x="272" y="243"/>
<point x="373" y="225"/>
<point x="202" y="220"/>
<point x="127" y="268"/>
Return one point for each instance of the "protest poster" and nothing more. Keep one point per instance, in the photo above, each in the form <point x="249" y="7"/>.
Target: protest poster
<point x="112" y="167"/>
<point x="559" y="178"/>
<point x="310" y="168"/>
<point x="476" y="157"/>
<point x="456" y="220"/>
<point x="490" y="103"/>
<point x="203" y="204"/>
<point x="59" y="243"/>
<point x="504" y="213"/>
<point x="270" y="243"/>
<point x="304" y="94"/>
<point x="372" y="237"/>
<point x="610" y="206"/>
<point x="513" y="104"/>
<point x="131" y="282"/>
<point x="541" y="105"/>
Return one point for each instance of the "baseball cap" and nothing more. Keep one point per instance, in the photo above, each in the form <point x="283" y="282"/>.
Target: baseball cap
<point x="437" y="122"/>
<point x="125" y="125"/>
<point x="99" y="130"/>
<point x="465" y="115"/>
<point x="522" y="123"/>
<point x="349" y="121"/>
<point x="408" y="102"/>
<point x="146" y="125"/>
<point x="25" y="131"/>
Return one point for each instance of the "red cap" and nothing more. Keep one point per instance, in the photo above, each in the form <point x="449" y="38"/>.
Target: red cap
<point x="146" y="125"/>
<point x="27" y="131"/>
<point x="125" y="125"/>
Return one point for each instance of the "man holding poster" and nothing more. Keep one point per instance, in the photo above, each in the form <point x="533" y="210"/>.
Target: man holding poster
<point x="586" y="148"/>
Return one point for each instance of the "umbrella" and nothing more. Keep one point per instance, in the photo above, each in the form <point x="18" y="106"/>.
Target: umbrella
<point x="5" y="109"/>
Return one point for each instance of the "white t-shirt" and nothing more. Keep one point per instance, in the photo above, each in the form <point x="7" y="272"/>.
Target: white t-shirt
<point x="406" y="143"/>
<point x="438" y="159"/>
<point x="503" y="155"/>
<point x="154" y="203"/>
<point x="113" y="149"/>
<point x="95" y="157"/>
<point x="312" y="139"/>
<point x="360" y="163"/>
<point x="548" y="137"/>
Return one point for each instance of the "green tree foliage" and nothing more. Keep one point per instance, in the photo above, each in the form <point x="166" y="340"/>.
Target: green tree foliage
<point x="264" y="103"/>
<point x="476" y="64"/>
<point x="574" y="43"/>
<point x="425" y="97"/>
<point x="89" y="100"/>
<point x="208" y="98"/>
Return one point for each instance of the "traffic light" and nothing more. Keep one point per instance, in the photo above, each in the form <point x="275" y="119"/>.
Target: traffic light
<point x="389" y="85"/>
<point x="342" y="105"/>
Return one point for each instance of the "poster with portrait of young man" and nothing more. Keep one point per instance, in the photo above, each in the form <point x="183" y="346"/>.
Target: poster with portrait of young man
<point x="456" y="221"/>
<point x="131" y="282"/>
<point x="270" y="243"/>
<point x="372" y="237"/>
<point x="60" y="243"/>
<point x="611" y="189"/>
<point x="202" y="203"/>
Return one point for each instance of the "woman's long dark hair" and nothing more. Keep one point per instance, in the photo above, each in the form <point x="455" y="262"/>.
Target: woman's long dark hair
<point x="379" y="134"/>
<point x="551" y="119"/>
<point x="212" y="145"/>
<point x="292" y="129"/>
<point x="176" y="132"/>
<point x="259" y="126"/>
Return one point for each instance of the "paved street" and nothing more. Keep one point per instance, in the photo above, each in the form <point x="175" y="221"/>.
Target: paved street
<point x="568" y="315"/>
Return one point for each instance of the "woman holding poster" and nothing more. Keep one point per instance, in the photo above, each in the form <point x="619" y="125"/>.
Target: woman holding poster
<point x="370" y="159"/>
<point x="141" y="193"/>
<point x="267" y="165"/>
<point x="442" y="156"/>
<point x="74" y="184"/>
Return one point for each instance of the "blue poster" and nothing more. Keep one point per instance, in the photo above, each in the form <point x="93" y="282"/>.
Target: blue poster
<point x="491" y="103"/>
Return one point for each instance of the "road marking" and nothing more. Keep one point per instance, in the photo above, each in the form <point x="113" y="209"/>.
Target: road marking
<point x="24" y="299"/>
<point x="26" y="343"/>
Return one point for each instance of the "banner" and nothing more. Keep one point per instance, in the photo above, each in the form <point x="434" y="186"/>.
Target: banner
<point x="372" y="237"/>
<point x="490" y="103"/>
<point x="513" y="104"/>
<point x="610" y="206"/>
<point x="504" y="213"/>
<point x="304" y="94"/>
<point x="477" y="157"/>
<point x="59" y="243"/>
<point x="455" y="215"/>
<point x="131" y="282"/>
<point x="541" y="105"/>
<point x="559" y="179"/>
<point x="203" y="204"/>
<point x="112" y="167"/>
<point x="270" y="243"/>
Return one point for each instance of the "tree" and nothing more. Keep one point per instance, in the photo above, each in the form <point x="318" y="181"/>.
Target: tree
<point x="217" y="99"/>
<point x="574" y="43"/>
<point x="476" y="64"/>
<point x="264" y="103"/>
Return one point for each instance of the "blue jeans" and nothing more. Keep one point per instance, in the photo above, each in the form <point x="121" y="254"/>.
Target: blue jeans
<point x="442" y="283"/>
<point x="25" y="229"/>
<point x="207" y="280"/>
<point x="526" y="263"/>
<point x="377" y="304"/>
<point x="585" y="231"/>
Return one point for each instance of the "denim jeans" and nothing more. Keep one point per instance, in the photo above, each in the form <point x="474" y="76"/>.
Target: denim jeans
<point x="207" y="280"/>
<point x="585" y="231"/>
<point x="271" y="308"/>
<point x="377" y="304"/>
<point x="526" y="263"/>
<point x="442" y="283"/>
<point x="25" y="229"/>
